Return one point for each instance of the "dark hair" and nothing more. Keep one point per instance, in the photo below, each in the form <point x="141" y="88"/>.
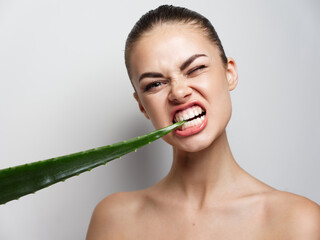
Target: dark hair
<point x="171" y="14"/>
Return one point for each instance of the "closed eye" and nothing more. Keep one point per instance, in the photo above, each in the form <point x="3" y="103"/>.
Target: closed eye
<point x="196" y="69"/>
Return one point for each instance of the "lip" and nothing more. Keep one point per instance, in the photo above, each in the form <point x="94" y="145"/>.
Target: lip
<point x="191" y="130"/>
<point x="185" y="106"/>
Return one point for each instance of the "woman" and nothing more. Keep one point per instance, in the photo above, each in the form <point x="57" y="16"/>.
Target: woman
<point x="179" y="71"/>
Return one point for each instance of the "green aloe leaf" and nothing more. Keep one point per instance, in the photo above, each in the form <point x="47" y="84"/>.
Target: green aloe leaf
<point x="18" y="181"/>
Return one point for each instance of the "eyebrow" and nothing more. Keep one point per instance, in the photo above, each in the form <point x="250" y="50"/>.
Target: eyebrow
<point x="183" y="66"/>
<point x="150" y="75"/>
<point x="190" y="60"/>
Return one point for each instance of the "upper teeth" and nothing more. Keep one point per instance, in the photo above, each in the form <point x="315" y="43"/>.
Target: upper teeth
<point x="188" y="113"/>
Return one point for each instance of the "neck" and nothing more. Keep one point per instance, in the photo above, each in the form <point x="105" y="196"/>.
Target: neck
<point x="210" y="173"/>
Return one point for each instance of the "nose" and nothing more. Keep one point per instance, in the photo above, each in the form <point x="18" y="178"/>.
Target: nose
<point x="179" y="92"/>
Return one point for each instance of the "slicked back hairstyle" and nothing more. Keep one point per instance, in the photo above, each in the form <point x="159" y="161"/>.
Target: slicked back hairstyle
<point x="171" y="14"/>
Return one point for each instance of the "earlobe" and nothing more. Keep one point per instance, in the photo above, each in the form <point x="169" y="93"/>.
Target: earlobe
<point x="232" y="74"/>
<point x="135" y="95"/>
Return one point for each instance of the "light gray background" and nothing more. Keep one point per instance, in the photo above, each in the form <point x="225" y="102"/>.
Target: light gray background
<point x="64" y="88"/>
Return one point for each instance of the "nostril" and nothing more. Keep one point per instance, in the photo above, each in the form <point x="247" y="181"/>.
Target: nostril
<point x="180" y="93"/>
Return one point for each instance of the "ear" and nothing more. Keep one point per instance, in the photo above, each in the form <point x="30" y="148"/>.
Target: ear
<point x="232" y="74"/>
<point x="135" y="95"/>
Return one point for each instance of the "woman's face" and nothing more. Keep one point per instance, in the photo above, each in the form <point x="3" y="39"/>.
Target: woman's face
<point x="178" y="75"/>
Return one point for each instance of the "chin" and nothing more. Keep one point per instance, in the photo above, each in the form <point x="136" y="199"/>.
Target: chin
<point x="193" y="148"/>
<point x="192" y="144"/>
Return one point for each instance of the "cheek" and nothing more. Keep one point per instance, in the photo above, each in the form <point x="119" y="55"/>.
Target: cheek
<point x="222" y="108"/>
<point x="213" y="86"/>
<point x="216" y="91"/>
<point x="155" y="108"/>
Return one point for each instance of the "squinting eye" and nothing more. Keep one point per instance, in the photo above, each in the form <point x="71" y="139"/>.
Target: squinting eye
<point x="196" y="69"/>
<point x="152" y="85"/>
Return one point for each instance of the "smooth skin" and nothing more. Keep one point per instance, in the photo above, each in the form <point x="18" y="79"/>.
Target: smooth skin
<point x="206" y="195"/>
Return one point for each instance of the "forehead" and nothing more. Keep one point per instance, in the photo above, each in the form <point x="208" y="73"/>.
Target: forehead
<point x="166" y="46"/>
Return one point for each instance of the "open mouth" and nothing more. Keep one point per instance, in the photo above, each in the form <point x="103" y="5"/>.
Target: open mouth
<point x="194" y="116"/>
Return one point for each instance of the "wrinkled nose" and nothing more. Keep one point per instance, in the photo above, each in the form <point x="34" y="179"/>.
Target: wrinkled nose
<point x="179" y="93"/>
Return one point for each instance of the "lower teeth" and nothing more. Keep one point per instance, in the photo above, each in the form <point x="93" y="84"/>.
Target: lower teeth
<point x="194" y="122"/>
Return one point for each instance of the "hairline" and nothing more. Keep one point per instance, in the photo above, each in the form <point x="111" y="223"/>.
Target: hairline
<point x="196" y="24"/>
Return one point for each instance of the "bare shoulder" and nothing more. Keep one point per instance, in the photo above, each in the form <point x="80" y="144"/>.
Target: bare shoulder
<point x="113" y="213"/>
<point x="293" y="216"/>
